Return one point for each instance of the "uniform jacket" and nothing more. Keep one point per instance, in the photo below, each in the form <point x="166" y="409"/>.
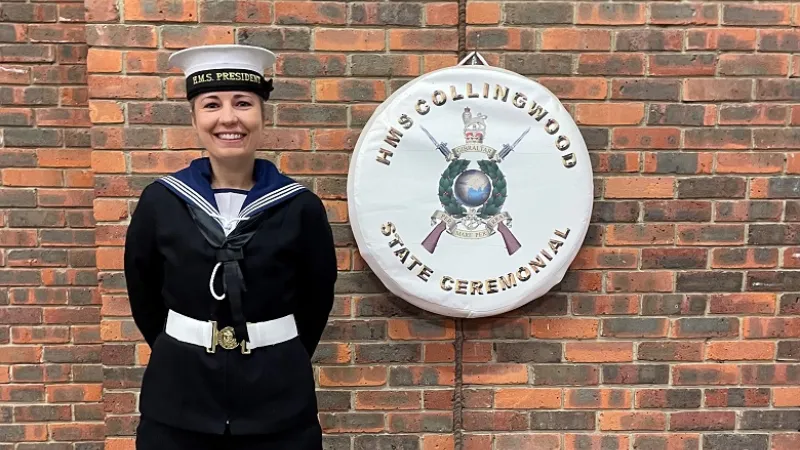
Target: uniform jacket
<point x="286" y="265"/>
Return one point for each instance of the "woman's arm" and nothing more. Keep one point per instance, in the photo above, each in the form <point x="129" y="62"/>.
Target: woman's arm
<point x="143" y="270"/>
<point x="318" y="272"/>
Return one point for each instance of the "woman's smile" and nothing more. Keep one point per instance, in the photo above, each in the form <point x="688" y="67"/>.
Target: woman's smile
<point x="230" y="139"/>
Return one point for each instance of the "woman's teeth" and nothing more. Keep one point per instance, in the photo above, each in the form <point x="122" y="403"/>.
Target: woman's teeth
<point x="230" y="136"/>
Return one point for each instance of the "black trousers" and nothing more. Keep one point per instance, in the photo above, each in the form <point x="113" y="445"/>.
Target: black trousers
<point x="152" y="435"/>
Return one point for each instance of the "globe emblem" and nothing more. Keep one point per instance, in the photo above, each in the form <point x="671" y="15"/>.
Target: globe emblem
<point x="472" y="188"/>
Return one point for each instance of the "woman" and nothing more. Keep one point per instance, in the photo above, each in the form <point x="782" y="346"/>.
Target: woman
<point x="230" y="268"/>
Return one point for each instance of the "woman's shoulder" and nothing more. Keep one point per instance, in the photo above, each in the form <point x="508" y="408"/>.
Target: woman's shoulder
<point x="154" y="192"/>
<point x="307" y="204"/>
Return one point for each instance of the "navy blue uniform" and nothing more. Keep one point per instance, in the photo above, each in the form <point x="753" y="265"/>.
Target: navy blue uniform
<point x="278" y="260"/>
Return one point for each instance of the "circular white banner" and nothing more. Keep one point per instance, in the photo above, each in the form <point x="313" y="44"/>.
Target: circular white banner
<point x="470" y="191"/>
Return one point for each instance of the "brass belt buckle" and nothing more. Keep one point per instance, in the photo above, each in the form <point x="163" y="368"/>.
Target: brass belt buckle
<point x="225" y="338"/>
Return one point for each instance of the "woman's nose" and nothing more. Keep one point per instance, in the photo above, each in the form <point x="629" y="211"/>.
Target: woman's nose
<point x="228" y="114"/>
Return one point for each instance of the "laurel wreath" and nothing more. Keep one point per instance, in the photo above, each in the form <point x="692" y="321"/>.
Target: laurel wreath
<point x="499" y="189"/>
<point x="449" y="202"/>
<point x="492" y="206"/>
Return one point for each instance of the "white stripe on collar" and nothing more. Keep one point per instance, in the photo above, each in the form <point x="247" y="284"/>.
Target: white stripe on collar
<point x="193" y="196"/>
<point x="260" y="203"/>
<point x="272" y="197"/>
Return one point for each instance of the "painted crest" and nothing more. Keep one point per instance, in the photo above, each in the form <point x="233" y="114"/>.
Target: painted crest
<point x="440" y="170"/>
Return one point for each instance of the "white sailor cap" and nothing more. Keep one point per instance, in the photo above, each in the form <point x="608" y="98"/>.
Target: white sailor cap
<point x="211" y="68"/>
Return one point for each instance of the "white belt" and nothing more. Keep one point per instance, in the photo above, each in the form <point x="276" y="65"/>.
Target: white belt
<point x="206" y="334"/>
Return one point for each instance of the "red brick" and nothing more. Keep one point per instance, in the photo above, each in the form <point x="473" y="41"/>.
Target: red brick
<point x="764" y="114"/>
<point x="596" y="442"/>
<point x="314" y="163"/>
<point x="766" y="14"/>
<point x="128" y="87"/>
<point x="387" y="400"/>
<point x="179" y="37"/>
<point x="750" y="163"/>
<point x="646" y="138"/>
<point x="74" y="393"/>
<point x="33" y="177"/>
<point x="564" y="328"/>
<point x="750" y="258"/>
<point x="740" y="351"/>
<point x="441" y="13"/>
<point x="702" y="421"/>
<point x="640" y="187"/>
<point x="581" y="88"/>
<point x="400" y="329"/>
<point x="433" y="62"/>
<point x="160" y="161"/>
<point x="501" y="38"/>
<point x="717" y="90"/>
<point x="15" y="75"/>
<point x="115" y="35"/>
<point x="611" y="64"/>
<point x="785" y="441"/>
<point x="353" y="376"/>
<point x="495" y="421"/>
<point x="599" y="352"/>
<point x="496" y="374"/>
<point x="336" y="139"/>
<point x="705" y="374"/>
<point x="667" y="65"/>
<point x="651" y="281"/>
<point x="348" y="90"/>
<point x="104" y="60"/>
<point x="349" y="40"/>
<point x="486" y="13"/>
<point x="761" y="328"/>
<point x="616" y="162"/>
<point x="605" y="304"/>
<point x="303" y="12"/>
<point x="27" y="354"/>
<point x="737" y="397"/>
<point x="743" y="303"/>
<point x="632" y="421"/>
<point x="435" y="442"/>
<point x="786" y="397"/>
<point x="684" y="14"/>
<point x="611" y="14"/>
<point x="721" y="39"/>
<point x="609" y="113"/>
<point x="575" y="39"/>
<point x="753" y="65"/>
<point x="527" y="398"/>
<point x="422" y="39"/>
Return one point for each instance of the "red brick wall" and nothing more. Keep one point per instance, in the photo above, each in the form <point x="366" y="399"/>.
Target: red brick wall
<point x="51" y="373"/>
<point x="677" y="327"/>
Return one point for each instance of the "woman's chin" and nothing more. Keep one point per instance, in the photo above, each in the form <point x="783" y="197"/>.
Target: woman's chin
<point x="231" y="152"/>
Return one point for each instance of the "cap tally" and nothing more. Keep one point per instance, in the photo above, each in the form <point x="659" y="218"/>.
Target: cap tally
<point x="210" y="68"/>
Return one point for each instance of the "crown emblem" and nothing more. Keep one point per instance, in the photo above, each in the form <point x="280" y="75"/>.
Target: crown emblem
<point x="474" y="126"/>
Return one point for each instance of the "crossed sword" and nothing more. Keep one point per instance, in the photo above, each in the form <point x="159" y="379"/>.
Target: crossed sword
<point x="511" y="242"/>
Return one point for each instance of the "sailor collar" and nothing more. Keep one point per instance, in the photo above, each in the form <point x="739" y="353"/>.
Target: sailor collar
<point x="193" y="185"/>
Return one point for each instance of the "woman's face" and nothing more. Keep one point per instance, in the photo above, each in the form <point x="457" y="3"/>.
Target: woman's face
<point x="229" y="124"/>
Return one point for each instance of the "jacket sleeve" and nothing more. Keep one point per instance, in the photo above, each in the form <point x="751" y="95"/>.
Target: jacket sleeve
<point x="318" y="273"/>
<point x="143" y="274"/>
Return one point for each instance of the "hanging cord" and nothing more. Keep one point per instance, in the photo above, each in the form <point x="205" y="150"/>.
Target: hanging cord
<point x="462" y="29"/>
<point x="458" y="394"/>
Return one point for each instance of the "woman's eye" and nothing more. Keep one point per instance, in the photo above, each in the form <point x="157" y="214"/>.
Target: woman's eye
<point x="244" y="103"/>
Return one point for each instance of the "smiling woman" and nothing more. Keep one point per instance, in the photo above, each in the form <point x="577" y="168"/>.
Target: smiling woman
<point x="217" y="260"/>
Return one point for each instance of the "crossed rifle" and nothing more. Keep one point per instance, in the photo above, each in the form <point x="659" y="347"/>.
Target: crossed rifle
<point x="511" y="242"/>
